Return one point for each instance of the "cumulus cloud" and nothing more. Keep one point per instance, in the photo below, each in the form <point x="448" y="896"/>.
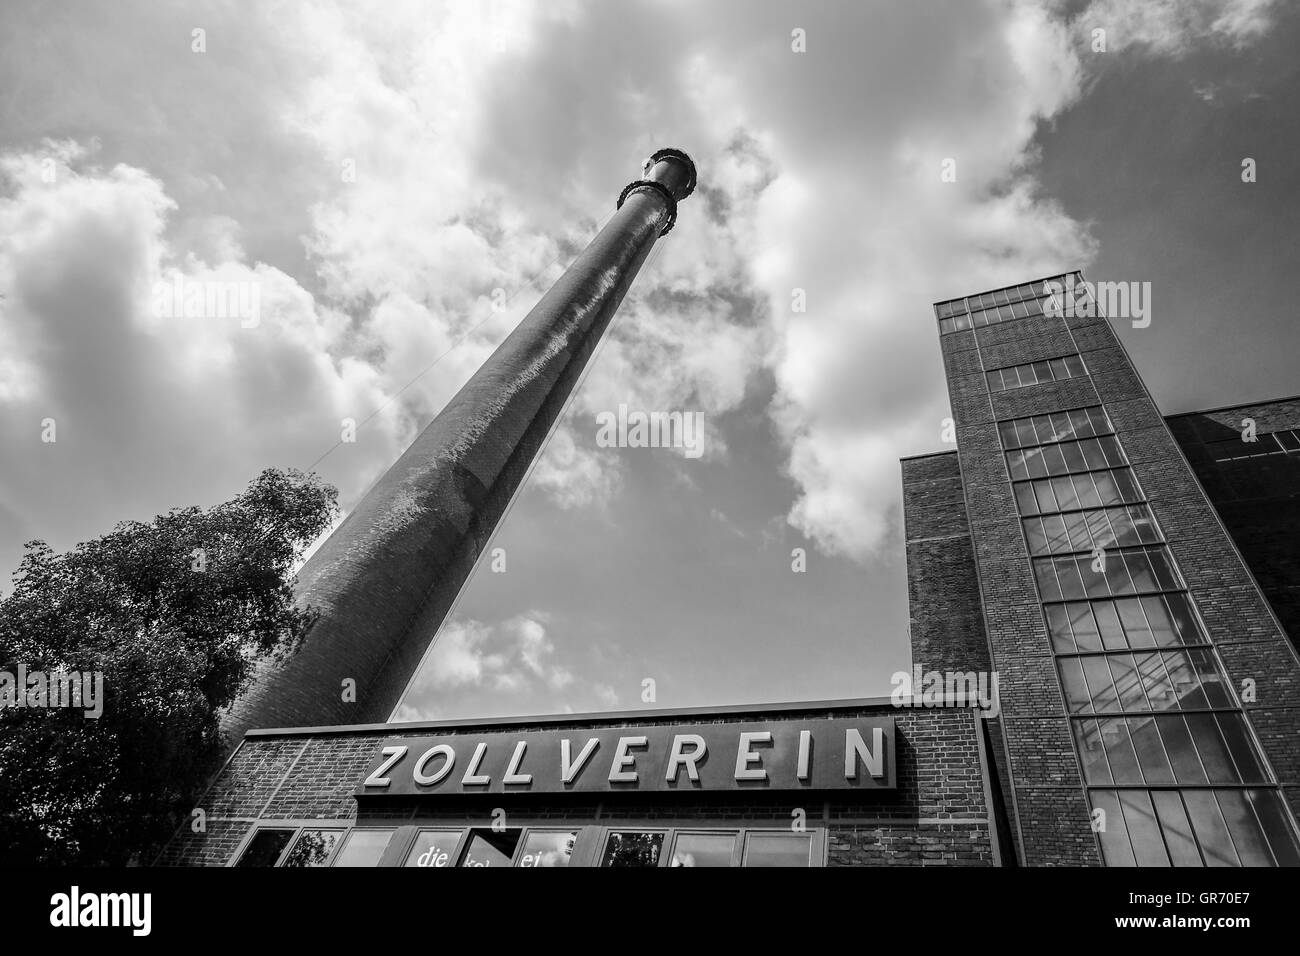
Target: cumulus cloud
<point x="1173" y="28"/>
<point x="408" y="166"/>
<point x="509" y="659"/>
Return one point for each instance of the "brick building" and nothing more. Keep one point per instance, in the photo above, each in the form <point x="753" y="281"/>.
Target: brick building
<point x="1130" y="580"/>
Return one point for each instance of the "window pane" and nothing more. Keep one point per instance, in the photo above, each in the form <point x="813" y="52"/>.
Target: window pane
<point x="1128" y="682"/>
<point x="1067" y="573"/>
<point x="1180" y="609"/>
<point x="1110" y="447"/>
<point x="1101" y="583"/>
<point x="1076" y="691"/>
<point x="1025" y="432"/>
<point x="1075" y="364"/>
<point x="1143" y="830"/>
<point x="265" y="848"/>
<point x="778" y="849"/>
<point x="1058" y="532"/>
<point x="1054" y="460"/>
<point x="1163" y="632"/>
<point x="1101" y="688"/>
<point x="1119" y="750"/>
<point x="1212" y="748"/>
<point x="1090" y="496"/>
<point x="1210" y="829"/>
<point x="1176" y="828"/>
<point x="995" y="380"/>
<point x="1128" y="488"/>
<point x="1092" y="453"/>
<point x="1058" y="627"/>
<point x="1268" y="807"/>
<point x="1163" y="570"/>
<point x="1080" y="423"/>
<point x="1076" y="537"/>
<point x="1136" y="629"/>
<point x="633" y="849"/>
<point x="1072" y="457"/>
<point x="1084" y="626"/>
<point x="1042" y="371"/>
<point x="1035" y="536"/>
<point x="1182" y="753"/>
<point x="1247" y="837"/>
<point x="1111" y="631"/>
<point x="312" y="848"/>
<point x="1017" y="465"/>
<point x="364" y="848"/>
<point x="1045" y="576"/>
<point x="1150" y="750"/>
<point x="490" y="847"/>
<point x="1233" y="729"/>
<point x="1087" y="736"/>
<point x="1155" y="681"/>
<point x="1025" y="502"/>
<point x="1139" y="569"/>
<point x="703" y="849"/>
<point x="1062" y="491"/>
<point x="548" y="848"/>
<point x="1059" y="369"/>
<point x="1115" y="847"/>
<point x="433" y="848"/>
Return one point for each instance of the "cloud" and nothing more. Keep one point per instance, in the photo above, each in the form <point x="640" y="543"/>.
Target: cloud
<point x="150" y="410"/>
<point x="507" y="657"/>
<point x="389" y="171"/>
<point x="1173" y="28"/>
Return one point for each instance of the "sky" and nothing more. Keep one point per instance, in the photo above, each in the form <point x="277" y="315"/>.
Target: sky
<point x="383" y="177"/>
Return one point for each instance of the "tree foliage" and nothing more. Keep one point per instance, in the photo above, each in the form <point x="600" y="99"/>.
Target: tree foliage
<point x="174" y="613"/>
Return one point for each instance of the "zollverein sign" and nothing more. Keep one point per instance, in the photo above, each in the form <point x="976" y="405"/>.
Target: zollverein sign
<point x="849" y="754"/>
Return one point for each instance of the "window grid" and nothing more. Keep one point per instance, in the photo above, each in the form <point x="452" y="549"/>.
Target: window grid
<point x="1190" y="827"/>
<point x="1065" y="458"/>
<point x="1147" y="699"/>
<point x="1054" y="427"/>
<point x="1085" y="530"/>
<point x="1035" y="373"/>
<point x="1099" y="488"/>
<point x="1283" y="442"/>
<point x="1001" y="305"/>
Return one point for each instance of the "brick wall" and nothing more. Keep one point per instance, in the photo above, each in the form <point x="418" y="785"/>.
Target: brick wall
<point x="1049" y="804"/>
<point x="937" y="815"/>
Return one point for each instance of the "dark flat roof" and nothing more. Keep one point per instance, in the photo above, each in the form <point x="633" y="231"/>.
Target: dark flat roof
<point x="592" y="717"/>
<point x="1224" y="408"/>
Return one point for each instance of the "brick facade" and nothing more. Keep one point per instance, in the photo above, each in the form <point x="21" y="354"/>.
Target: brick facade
<point x="1049" y="802"/>
<point x="937" y="815"/>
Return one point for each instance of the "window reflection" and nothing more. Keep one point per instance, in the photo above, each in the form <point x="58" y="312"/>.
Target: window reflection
<point x="265" y="847"/>
<point x="363" y="848"/>
<point x="435" y="848"/>
<point x="778" y="849"/>
<point x="490" y="848"/>
<point x="703" y="849"/>
<point x="548" y="848"/>
<point x="1202" y="827"/>
<point x="313" y="848"/>
<point x="632" y="848"/>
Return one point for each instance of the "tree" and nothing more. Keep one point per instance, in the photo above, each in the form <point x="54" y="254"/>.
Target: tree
<point x="174" y="614"/>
